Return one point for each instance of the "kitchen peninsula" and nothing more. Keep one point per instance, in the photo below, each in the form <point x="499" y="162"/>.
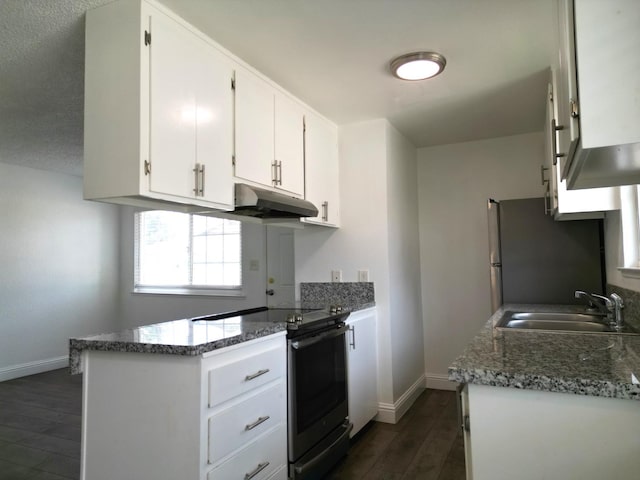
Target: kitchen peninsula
<point x="550" y="405"/>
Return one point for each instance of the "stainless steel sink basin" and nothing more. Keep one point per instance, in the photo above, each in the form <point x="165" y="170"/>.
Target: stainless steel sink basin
<point x="557" y="321"/>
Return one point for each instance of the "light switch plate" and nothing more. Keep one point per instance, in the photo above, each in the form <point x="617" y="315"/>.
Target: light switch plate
<point x="363" y="275"/>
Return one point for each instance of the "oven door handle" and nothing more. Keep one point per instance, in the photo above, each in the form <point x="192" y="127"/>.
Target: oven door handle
<point x="301" y="470"/>
<point x="307" y="342"/>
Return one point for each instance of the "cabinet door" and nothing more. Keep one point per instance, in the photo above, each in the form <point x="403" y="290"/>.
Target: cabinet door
<point x="321" y="170"/>
<point x="173" y="94"/>
<point x="214" y="121"/>
<point x="254" y="149"/>
<point x="289" y="145"/>
<point x="567" y="91"/>
<point x="361" y="364"/>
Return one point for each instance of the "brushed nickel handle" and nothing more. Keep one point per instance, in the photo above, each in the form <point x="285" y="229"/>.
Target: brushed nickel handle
<point x="257" y="470"/>
<point x="256" y="375"/>
<point x="325" y="211"/>
<point x="202" y="180"/>
<point x="259" y="421"/>
<point x="352" y="343"/>
<point x="542" y="170"/>
<point x="274" y="172"/>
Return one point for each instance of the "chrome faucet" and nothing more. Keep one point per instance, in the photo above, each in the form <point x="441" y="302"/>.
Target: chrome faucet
<point x="610" y="306"/>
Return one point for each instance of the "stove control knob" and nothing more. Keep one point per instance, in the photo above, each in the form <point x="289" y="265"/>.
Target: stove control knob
<point x="294" y="319"/>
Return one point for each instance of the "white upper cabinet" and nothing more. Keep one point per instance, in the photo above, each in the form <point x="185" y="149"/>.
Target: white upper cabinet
<point x="289" y="144"/>
<point x="254" y="125"/>
<point x="566" y="204"/>
<point x="601" y="138"/>
<point x="321" y="170"/>
<point x="158" y="110"/>
<point x="269" y="135"/>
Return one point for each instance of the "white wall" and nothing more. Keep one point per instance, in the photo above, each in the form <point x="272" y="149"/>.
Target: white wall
<point x="375" y="162"/>
<point x="59" y="268"/>
<point x="455" y="182"/>
<point x="407" y="346"/>
<point x="142" y="309"/>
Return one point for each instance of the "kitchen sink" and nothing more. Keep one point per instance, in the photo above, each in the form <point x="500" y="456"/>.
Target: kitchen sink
<point x="559" y="322"/>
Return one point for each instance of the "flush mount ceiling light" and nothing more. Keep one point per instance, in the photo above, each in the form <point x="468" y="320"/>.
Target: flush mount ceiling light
<point x="418" y="65"/>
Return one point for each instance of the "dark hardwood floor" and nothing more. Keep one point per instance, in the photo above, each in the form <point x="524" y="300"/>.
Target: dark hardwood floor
<point x="426" y="444"/>
<point x="40" y="419"/>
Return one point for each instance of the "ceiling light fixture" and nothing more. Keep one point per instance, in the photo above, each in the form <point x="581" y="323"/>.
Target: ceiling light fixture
<point x="418" y="65"/>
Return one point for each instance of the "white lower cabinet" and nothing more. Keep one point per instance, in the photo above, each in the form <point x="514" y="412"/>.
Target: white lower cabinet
<point x="533" y="435"/>
<point x="218" y="416"/>
<point x="362" y="368"/>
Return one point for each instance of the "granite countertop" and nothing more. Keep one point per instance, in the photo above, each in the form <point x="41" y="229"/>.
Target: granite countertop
<point x="187" y="336"/>
<point x="604" y="365"/>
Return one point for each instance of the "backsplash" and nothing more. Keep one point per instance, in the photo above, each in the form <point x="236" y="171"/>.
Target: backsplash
<point x="340" y="293"/>
<point x="631" y="304"/>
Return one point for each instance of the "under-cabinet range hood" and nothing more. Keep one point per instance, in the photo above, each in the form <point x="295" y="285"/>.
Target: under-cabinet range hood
<point x="261" y="203"/>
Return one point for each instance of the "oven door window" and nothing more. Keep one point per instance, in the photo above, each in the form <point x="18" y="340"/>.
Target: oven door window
<point x="320" y="379"/>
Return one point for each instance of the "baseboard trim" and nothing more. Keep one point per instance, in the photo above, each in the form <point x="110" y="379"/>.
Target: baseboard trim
<point x="393" y="412"/>
<point x="440" y="382"/>
<point x="31" y="368"/>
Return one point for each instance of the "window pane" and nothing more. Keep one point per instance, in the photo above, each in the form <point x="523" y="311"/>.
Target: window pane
<point x="163" y="248"/>
<point x="176" y="249"/>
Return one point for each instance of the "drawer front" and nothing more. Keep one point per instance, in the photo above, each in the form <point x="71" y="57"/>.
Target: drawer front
<point x="240" y="376"/>
<point x="240" y="424"/>
<point x="262" y="459"/>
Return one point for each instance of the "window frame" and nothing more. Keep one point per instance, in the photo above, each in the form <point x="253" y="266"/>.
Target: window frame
<point x="189" y="290"/>
<point x="630" y="230"/>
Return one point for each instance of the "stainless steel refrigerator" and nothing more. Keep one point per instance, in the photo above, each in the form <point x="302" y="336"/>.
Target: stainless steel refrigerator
<point x="535" y="259"/>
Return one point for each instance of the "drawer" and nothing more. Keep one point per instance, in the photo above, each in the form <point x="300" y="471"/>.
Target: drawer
<point x="263" y="458"/>
<point x="242" y="375"/>
<point x="238" y="425"/>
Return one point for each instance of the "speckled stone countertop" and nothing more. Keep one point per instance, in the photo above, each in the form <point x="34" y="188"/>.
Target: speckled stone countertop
<point x="604" y="365"/>
<point x="188" y="336"/>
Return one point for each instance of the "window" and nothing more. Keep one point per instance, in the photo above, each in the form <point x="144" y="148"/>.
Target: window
<point x="630" y="219"/>
<point x="185" y="253"/>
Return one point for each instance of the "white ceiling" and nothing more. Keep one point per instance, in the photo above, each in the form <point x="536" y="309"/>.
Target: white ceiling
<point x="332" y="54"/>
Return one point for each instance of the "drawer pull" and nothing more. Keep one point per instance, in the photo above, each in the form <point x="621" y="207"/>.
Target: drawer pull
<point x="257" y="470"/>
<point x="256" y="375"/>
<point x="253" y="425"/>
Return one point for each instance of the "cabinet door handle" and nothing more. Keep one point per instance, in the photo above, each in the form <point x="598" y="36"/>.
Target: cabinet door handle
<point x="255" y="471"/>
<point x="259" y="421"/>
<point x="555" y="128"/>
<point x="274" y="172"/>
<point x="202" y="180"/>
<point x="547" y="199"/>
<point x="256" y="375"/>
<point x="542" y="170"/>
<point x="352" y="343"/>
<point x="280" y="173"/>
<point x="196" y="179"/>
<point x="325" y="211"/>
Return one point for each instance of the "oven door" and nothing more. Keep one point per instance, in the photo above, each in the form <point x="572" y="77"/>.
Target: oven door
<point x="317" y="384"/>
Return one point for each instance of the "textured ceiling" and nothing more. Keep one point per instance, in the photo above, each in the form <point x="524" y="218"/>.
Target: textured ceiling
<point x="333" y="54"/>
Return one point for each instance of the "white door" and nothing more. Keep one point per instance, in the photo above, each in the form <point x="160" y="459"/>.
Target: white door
<point x="280" y="267"/>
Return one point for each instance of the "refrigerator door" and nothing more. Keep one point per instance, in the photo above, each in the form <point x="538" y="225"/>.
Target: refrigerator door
<point x="495" y="259"/>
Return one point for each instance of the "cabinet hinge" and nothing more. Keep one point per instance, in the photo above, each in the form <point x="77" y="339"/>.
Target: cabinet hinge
<point x="233" y="160"/>
<point x="147" y="167"/>
<point x="574" y="108"/>
<point x="233" y="84"/>
<point x="147" y="38"/>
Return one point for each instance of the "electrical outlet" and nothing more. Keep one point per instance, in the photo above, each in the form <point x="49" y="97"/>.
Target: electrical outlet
<point x="363" y="275"/>
<point x="254" y="265"/>
<point x="336" y="275"/>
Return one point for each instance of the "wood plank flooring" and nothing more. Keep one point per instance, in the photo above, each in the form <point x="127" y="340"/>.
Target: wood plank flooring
<point x="40" y="418"/>
<point x="426" y="444"/>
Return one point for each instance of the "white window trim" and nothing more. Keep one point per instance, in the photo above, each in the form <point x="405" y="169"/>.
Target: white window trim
<point x="186" y="290"/>
<point x="630" y="231"/>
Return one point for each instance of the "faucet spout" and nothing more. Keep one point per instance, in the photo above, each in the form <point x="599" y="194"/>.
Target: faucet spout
<point x="611" y="306"/>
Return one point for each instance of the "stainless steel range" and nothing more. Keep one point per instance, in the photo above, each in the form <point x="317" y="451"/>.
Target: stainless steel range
<point x="318" y="412"/>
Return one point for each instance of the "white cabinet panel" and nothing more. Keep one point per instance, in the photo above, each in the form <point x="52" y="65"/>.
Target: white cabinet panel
<point x="254" y="126"/>
<point x="289" y="144"/>
<point x="321" y="170"/>
<point x="242" y="422"/>
<point x="261" y="459"/>
<point x="362" y="371"/>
